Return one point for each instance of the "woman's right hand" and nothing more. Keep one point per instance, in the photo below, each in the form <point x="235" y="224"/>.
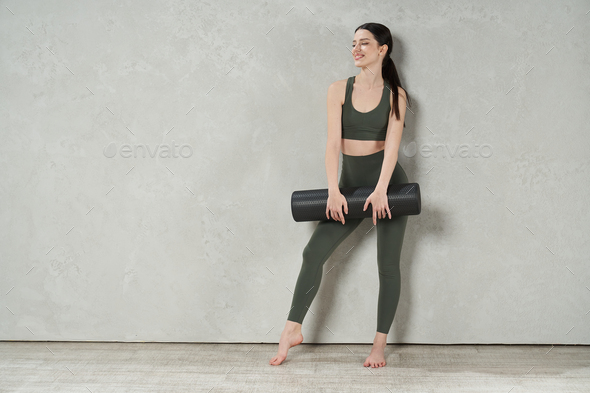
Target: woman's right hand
<point x="334" y="205"/>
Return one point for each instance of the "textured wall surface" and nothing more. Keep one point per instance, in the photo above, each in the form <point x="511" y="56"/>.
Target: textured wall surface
<point x="150" y="149"/>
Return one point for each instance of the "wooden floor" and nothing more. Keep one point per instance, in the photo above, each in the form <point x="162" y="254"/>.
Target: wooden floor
<point x="164" y="367"/>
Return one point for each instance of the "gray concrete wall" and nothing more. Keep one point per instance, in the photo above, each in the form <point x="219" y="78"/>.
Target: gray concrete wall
<point x="198" y="244"/>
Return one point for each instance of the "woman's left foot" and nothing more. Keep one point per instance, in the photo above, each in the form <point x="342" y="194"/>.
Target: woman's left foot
<point x="377" y="356"/>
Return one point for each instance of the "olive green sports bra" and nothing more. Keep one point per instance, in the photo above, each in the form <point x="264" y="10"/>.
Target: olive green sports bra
<point x="366" y="126"/>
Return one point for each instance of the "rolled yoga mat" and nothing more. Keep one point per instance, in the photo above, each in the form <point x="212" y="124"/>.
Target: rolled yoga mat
<point x="310" y="205"/>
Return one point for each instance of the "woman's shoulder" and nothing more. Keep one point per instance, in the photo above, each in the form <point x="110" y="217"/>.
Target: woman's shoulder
<point x="337" y="90"/>
<point x="400" y="91"/>
<point x="340" y="83"/>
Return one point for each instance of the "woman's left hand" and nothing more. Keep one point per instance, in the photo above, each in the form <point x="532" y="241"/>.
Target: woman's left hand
<point x="379" y="201"/>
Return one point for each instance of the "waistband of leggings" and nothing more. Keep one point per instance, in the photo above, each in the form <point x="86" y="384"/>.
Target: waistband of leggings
<point x="377" y="155"/>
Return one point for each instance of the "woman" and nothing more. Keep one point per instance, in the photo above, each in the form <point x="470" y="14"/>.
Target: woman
<point x="365" y="120"/>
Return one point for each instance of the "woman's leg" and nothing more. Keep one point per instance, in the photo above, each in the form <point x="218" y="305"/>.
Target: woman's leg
<point x="390" y="237"/>
<point x="324" y="240"/>
<point x="326" y="237"/>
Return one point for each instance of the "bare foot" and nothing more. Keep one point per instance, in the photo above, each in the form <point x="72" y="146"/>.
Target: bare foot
<point x="377" y="356"/>
<point x="290" y="337"/>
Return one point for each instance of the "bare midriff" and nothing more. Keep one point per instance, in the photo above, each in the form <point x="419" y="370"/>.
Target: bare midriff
<point x="353" y="147"/>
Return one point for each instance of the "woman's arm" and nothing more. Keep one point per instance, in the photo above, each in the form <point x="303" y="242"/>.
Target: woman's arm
<point x="393" y="139"/>
<point x="336" y="203"/>
<point x="378" y="198"/>
<point x="334" y="142"/>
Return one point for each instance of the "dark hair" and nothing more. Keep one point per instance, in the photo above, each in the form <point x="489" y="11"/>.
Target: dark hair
<point x="388" y="71"/>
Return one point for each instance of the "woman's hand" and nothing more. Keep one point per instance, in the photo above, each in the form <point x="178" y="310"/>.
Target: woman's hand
<point x="380" y="202"/>
<point x="334" y="205"/>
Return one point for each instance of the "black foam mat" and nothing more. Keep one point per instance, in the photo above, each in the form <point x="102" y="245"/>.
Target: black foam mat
<point x="310" y="205"/>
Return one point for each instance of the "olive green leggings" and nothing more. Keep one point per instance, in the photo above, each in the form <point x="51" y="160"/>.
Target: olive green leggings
<point x="356" y="171"/>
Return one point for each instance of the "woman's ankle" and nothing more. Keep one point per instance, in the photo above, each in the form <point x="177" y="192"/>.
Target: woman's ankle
<point x="380" y="339"/>
<point x="291" y="326"/>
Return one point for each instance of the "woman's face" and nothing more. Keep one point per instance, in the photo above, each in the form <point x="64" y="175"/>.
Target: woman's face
<point x="365" y="49"/>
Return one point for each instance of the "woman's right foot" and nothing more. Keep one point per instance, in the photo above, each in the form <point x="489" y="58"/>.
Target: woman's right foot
<point x="290" y="337"/>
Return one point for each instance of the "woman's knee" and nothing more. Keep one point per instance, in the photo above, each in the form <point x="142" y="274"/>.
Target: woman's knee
<point x="307" y="253"/>
<point x="389" y="270"/>
<point x="312" y="255"/>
